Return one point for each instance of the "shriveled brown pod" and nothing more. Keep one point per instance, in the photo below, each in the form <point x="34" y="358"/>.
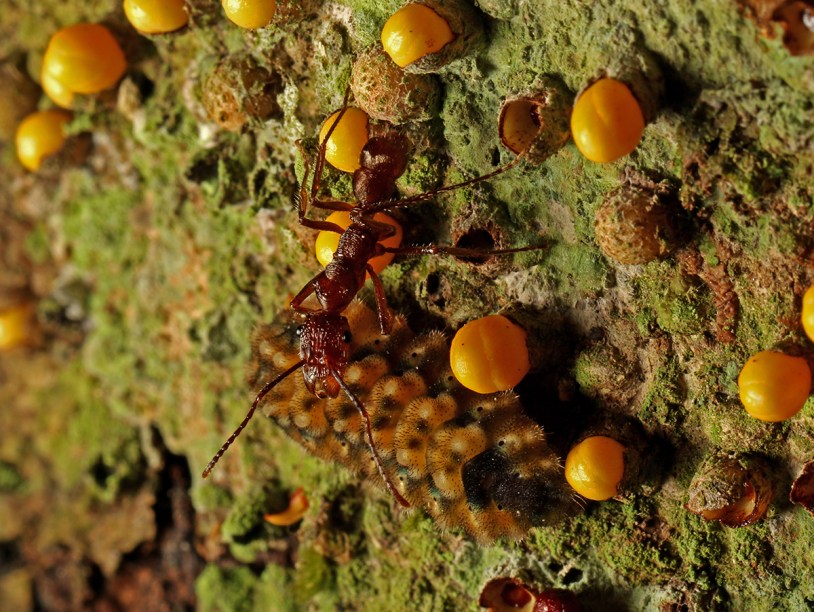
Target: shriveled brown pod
<point x="733" y="489"/>
<point x="386" y="92"/>
<point x="511" y="595"/>
<point x="802" y="489"/>
<point x="536" y="123"/>
<point x="239" y="91"/>
<point x="635" y="225"/>
<point x="425" y="36"/>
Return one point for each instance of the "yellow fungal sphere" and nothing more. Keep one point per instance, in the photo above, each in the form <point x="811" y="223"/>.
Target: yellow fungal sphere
<point x="413" y="32"/>
<point x="808" y="313"/>
<point x="56" y="91"/>
<point x="327" y="242"/>
<point x="85" y="58"/>
<point x="250" y="14"/>
<point x="347" y="140"/>
<point x="489" y="354"/>
<point x="594" y="467"/>
<point x="15" y="326"/>
<point x="607" y="121"/>
<point x="156" y="16"/>
<point x="40" y="135"/>
<point x="774" y="386"/>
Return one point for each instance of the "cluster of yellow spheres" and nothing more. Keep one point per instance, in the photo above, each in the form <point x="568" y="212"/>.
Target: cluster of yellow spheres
<point x="344" y="146"/>
<point x="250" y="14"/>
<point x="156" y="16"/>
<point x="413" y="32"/>
<point x="774" y="386"/>
<point x="39" y="136"/>
<point x="489" y="354"/>
<point x="595" y="467"/>
<point x="607" y="121"/>
<point x="84" y="59"/>
<point x="327" y="242"/>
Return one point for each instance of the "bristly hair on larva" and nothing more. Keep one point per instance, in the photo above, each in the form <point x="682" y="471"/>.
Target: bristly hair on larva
<point x="472" y="461"/>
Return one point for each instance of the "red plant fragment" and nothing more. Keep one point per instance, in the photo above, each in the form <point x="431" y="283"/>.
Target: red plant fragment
<point x="510" y="595"/>
<point x="802" y="489"/>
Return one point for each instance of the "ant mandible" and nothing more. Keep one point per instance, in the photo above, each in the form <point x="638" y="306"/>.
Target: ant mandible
<point x="325" y="335"/>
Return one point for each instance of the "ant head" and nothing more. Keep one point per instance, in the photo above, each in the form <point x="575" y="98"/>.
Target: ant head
<point x="325" y="339"/>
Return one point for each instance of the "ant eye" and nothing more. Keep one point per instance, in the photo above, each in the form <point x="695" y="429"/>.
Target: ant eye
<point x="347" y="337"/>
<point x="298" y="331"/>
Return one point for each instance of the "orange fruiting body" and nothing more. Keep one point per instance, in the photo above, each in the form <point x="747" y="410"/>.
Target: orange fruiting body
<point x="39" y="136"/>
<point x="774" y="386"/>
<point x="808" y="313"/>
<point x="594" y="467"/>
<point x="346" y="142"/>
<point x="156" y="16"/>
<point x="489" y="354"/>
<point x="250" y="14"/>
<point x="413" y="32"/>
<point x="327" y="242"/>
<point x="607" y="121"/>
<point x="297" y="506"/>
<point x="15" y="326"/>
<point x="57" y="92"/>
<point x="83" y="58"/>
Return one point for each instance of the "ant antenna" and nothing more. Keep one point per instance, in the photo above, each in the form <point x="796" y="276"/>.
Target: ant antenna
<point x="423" y="197"/>
<point x="263" y="392"/>
<point x="366" y="417"/>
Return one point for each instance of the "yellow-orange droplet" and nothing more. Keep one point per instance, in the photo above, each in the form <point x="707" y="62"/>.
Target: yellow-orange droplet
<point x="607" y="121"/>
<point x="347" y="140"/>
<point x="16" y="324"/>
<point x="595" y="467"/>
<point x="774" y="386"/>
<point x="84" y="58"/>
<point x="40" y="135"/>
<point x="250" y="14"/>
<point x="808" y="313"/>
<point x="326" y="242"/>
<point x="489" y="354"/>
<point x="413" y="32"/>
<point x="156" y="16"/>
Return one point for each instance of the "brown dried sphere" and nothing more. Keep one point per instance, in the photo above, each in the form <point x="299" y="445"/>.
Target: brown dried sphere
<point x="239" y="91"/>
<point x="633" y="225"/>
<point x="385" y="92"/>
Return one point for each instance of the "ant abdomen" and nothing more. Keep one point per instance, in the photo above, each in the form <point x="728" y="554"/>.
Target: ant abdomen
<point x="471" y="461"/>
<point x="383" y="160"/>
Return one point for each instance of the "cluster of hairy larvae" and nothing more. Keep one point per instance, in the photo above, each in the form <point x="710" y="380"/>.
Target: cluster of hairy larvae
<point x="471" y="461"/>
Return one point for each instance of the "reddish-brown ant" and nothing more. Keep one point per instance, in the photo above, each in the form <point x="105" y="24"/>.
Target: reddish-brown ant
<point x="325" y="335"/>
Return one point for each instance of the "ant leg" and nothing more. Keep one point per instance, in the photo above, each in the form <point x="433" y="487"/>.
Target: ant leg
<point x="263" y="392"/>
<point x="303" y="199"/>
<point x="296" y="302"/>
<point x="434" y="249"/>
<point x="385" y="315"/>
<point x="423" y="197"/>
<point x="369" y="430"/>
<point x="320" y="164"/>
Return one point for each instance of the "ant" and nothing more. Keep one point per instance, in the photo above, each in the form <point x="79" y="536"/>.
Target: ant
<point x="325" y="335"/>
